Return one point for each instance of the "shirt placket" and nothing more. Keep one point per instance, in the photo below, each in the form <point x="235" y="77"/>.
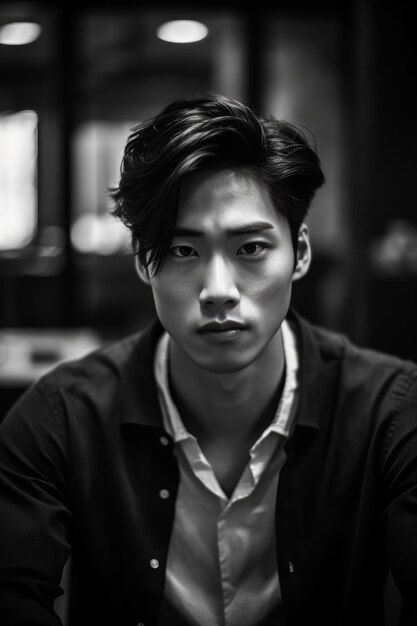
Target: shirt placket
<point x="225" y="564"/>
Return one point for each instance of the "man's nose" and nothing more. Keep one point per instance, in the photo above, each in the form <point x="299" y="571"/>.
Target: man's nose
<point x="219" y="286"/>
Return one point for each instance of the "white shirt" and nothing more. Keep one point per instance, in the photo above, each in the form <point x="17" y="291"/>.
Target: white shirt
<point x="221" y="568"/>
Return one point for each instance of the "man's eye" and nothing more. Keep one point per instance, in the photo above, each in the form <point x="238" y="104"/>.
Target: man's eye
<point x="251" y="249"/>
<point x="183" y="251"/>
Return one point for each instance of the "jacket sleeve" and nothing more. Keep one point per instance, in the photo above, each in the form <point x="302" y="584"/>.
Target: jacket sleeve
<point x="34" y="512"/>
<point x="399" y="489"/>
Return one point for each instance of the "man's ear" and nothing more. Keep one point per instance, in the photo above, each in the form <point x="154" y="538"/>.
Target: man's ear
<point x="142" y="271"/>
<point x="303" y="253"/>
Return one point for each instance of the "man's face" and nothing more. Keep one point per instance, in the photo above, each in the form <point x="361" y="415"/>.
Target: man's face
<point x="225" y="286"/>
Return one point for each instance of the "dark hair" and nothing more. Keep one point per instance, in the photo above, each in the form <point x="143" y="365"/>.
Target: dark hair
<point x="210" y="132"/>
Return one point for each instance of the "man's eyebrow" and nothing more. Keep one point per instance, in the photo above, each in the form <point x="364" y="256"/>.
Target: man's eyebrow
<point x="243" y="229"/>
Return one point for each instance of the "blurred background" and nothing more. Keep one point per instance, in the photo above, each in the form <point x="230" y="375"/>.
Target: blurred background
<point x="76" y="77"/>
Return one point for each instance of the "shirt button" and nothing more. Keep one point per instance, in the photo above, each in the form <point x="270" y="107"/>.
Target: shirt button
<point x="164" y="494"/>
<point x="154" y="563"/>
<point x="163" y="440"/>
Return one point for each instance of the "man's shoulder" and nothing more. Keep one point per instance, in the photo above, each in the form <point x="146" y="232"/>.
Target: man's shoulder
<point x="104" y="366"/>
<point x="360" y="383"/>
<point x="357" y="362"/>
<point x="321" y="347"/>
<point x="110" y="385"/>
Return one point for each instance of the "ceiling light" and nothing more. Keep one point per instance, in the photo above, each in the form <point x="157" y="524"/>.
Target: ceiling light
<point x="19" y="33"/>
<point x="182" y="31"/>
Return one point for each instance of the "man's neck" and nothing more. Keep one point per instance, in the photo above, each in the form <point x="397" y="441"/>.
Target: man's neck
<point x="221" y="408"/>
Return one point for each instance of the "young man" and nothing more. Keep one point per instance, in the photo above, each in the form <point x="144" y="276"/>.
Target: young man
<point x="232" y="464"/>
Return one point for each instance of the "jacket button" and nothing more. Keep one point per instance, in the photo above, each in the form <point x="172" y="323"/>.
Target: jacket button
<point x="163" y="440"/>
<point x="154" y="563"/>
<point x="164" y="494"/>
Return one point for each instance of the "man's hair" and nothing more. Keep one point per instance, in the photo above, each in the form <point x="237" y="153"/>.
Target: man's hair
<point x="208" y="133"/>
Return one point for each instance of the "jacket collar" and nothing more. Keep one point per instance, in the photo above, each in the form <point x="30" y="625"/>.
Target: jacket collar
<point x="320" y="354"/>
<point x="139" y="398"/>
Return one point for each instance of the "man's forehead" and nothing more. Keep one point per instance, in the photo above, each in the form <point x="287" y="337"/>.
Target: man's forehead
<point x="225" y="200"/>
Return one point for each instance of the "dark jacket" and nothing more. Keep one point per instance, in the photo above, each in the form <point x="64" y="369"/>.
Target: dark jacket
<point x="83" y="458"/>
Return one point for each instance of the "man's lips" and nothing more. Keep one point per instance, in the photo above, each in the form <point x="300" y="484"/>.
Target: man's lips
<point x="221" y="327"/>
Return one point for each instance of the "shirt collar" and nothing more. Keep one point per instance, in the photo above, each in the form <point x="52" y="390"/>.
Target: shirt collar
<point x="281" y="423"/>
<point x="171" y="418"/>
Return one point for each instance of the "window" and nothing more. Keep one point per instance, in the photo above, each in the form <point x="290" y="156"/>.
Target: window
<point x="18" y="178"/>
